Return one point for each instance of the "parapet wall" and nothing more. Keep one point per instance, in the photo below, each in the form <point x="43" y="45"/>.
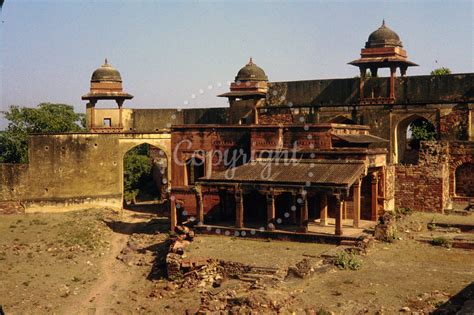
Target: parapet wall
<point x="411" y="89"/>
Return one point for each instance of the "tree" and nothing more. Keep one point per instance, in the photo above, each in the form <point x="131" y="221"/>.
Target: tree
<point x="45" y="118"/>
<point x="421" y="130"/>
<point x="441" y="71"/>
<point x="136" y="172"/>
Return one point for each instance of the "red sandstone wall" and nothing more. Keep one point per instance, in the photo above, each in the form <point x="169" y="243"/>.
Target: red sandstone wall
<point x="454" y="125"/>
<point x="421" y="187"/>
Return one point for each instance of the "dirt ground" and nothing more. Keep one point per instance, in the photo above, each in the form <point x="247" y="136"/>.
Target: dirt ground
<point x="100" y="262"/>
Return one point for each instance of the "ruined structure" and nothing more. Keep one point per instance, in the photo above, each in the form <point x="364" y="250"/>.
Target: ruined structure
<point x="338" y="126"/>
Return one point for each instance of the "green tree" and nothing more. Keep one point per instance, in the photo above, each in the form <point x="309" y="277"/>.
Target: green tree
<point x="421" y="130"/>
<point x="45" y="118"/>
<point x="136" y="172"/>
<point x="441" y="71"/>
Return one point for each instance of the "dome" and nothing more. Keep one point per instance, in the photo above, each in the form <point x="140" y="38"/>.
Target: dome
<point x="106" y="73"/>
<point x="251" y="72"/>
<point x="383" y="37"/>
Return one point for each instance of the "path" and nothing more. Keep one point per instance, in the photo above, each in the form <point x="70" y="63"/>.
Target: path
<point x="113" y="273"/>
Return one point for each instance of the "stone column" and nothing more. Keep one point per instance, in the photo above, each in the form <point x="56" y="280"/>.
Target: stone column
<point x="304" y="214"/>
<point x="120" y="103"/>
<point x="173" y="214"/>
<point x="393" y="71"/>
<point x="323" y="214"/>
<point x="91" y="105"/>
<point x="239" y="209"/>
<point x="270" y="211"/>
<point x="470" y="122"/>
<point x="363" y="71"/>
<point x="199" y="205"/>
<point x="339" y="210"/>
<point x="295" y="204"/>
<point x="403" y="71"/>
<point x="356" y="198"/>
<point x="222" y="204"/>
<point x="374" y="196"/>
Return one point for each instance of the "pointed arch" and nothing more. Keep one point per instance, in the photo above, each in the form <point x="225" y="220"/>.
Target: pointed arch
<point x="405" y="148"/>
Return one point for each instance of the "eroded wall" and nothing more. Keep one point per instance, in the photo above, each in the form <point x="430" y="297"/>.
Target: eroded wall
<point x="73" y="171"/>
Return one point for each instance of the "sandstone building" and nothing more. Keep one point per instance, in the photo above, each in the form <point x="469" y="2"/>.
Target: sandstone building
<point x="352" y="136"/>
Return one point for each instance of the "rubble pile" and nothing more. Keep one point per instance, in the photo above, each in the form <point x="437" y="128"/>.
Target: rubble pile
<point x="386" y="229"/>
<point x="243" y="300"/>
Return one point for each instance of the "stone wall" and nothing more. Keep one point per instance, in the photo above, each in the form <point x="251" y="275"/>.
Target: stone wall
<point x="73" y="171"/>
<point x="411" y="89"/>
<point x="464" y="181"/>
<point x="421" y="187"/>
<point x="461" y="153"/>
<point x="156" y="119"/>
<point x="454" y="123"/>
<point x="444" y="172"/>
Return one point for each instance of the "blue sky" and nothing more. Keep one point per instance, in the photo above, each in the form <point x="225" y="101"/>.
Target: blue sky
<point x="168" y="51"/>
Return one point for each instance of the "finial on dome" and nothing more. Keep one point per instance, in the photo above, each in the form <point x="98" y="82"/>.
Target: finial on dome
<point x="383" y="22"/>
<point x="106" y="61"/>
<point x="250" y="61"/>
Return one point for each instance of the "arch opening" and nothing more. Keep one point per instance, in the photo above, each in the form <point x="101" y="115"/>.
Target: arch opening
<point x="410" y="132"/>
<point x="464" y="180"/>
<point x="145" y="176"/>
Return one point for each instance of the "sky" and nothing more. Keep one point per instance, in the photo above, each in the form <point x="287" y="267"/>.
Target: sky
<point x="182" y="54"/>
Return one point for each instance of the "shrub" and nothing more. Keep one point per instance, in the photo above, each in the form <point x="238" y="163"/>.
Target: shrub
<point x="441" y="241"/>
<point x="345" y="260"/>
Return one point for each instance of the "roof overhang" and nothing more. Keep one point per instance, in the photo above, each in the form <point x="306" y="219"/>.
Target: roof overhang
<point x="242" y="94"/>
<point x="364" y="139"/>
<point x="107" y="96"/>
<point x="303" y="173"/>
<point x="382" y="62"/>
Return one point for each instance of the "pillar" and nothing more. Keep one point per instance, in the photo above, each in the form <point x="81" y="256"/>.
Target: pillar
<point x="403" y="71"/>
<point x="339" y="210"/>
<point x="222" y="204"/>
<point x="304" y="214"/>
<point x="392" y="82"/>
<point x="199" y="206"/>
<point x="317" y="116"/>
<point x="120" y="103"/>
<point x="324" y="210"/>
<point x="373" y="72"/>
<point x="356" y="198"/>
<point x="239" y="209"/>
<point x="270" y="211"/>
<point x="255" y="118"/>
<point x="173" y="214"/>
<point x="91" y="105"/>
<point x="363" y="71"/>
<point x="295" y="204"/>
<point x="374" y="196"/>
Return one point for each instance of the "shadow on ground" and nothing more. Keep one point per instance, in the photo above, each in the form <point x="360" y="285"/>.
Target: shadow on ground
<point x="462" y="303"/>
<point x="158" y="268"/>
<point x="160" y="209"/>
<point x="153" y="226"/>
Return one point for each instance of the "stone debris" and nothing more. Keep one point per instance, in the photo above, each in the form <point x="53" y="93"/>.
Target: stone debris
<point x="386" y="229"/>
<point x="302" y="269"/>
